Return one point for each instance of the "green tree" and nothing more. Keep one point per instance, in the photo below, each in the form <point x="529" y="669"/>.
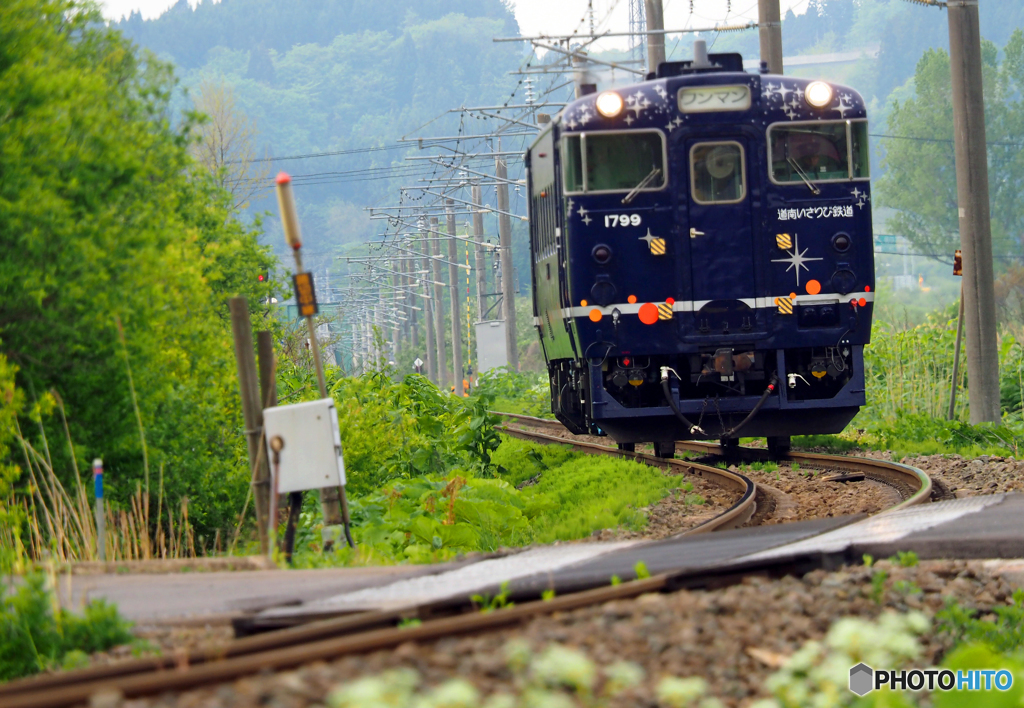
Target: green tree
<point x="105" y="219"/>
<point x="920" y="167"/>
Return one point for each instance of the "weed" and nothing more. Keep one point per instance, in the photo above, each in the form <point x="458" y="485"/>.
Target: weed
<point x="906" y="588"/>
<point x="694" y="500"/>
<point x="615" y="580"/>
<point x="641" y="570"/>
<point x="762" y="466"/>
<point x="36" y="634"/>
<point x="1003" y="634"/>
<point x="486" y="603"/>
<point x="869" y="560"/>
<point x="795" y="466"/>
<point x="410" y="622"/>
<point x="906" y="559"/>
<point x="548" y="594"/>
<point x="878" y="579"/>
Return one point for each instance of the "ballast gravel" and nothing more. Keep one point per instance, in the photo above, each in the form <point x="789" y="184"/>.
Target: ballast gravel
<point x="733" y="637"/>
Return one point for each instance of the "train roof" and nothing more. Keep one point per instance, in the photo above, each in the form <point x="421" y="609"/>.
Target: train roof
<point x="681" y="97"/>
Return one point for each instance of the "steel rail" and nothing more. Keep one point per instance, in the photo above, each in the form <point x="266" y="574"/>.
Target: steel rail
<point x="735" y="516"/>
<point x="290" y="648"/>
<point x="913" y="484"/>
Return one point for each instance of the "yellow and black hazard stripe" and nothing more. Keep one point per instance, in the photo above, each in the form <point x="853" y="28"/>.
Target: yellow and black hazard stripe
<point x="664" y="311"/>
<point x="785" y="305"/>
<point x="783" y="241"/>
<point x="657" y="246"/>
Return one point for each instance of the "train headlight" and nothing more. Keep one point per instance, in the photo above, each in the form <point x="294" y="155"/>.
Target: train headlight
<point x="818" y="94"/>
<point x="609" y="104"/>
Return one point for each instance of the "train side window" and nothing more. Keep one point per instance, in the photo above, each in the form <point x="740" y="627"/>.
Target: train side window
<point x="809" y="152"/>
<point x="718" y="173"/>
<point x="860" y="163"/>
<point x="572" y="164"/>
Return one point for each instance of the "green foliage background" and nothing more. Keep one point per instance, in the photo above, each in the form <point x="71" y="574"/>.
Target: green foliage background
<point x="104" y="219"/>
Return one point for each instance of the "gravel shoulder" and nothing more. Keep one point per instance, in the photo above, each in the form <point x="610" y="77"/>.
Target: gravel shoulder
<point x="733" y="637"/>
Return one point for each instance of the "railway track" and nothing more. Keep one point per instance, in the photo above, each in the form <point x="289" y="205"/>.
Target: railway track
<point x="376" y="630"/>
<point x="757" y="502"/>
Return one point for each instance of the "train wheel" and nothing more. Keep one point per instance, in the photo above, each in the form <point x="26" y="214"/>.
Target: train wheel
<point x="779" y="447"/>
<point x="666" y="450"/>
<point x="627" y="447"/>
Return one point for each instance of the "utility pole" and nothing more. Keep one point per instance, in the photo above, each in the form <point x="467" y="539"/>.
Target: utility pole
<point x="453" y="281"/>
<point x="508" y="299"/>
<point x="656" y="42"/>
<point x="428" y="311"/>
<point x="769" y="21"/>
<point x="973" y="202"/>
<point x="481" y="272"/>
<point x="442" y="359"/>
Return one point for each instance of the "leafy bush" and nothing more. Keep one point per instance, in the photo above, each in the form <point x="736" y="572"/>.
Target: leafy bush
<point x="35" y="635"/>
<point x="522" y="393"/>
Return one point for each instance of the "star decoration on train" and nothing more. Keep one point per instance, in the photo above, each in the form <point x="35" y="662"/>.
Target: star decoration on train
<point x="768" y="91"/>
<point x="582" y="211"/>
<point x="673" y="124"/>
<point x="637" y="103"/>
<point x="783" y="91"/>
<point x="585" y="115"/>
<point x="856" y="193"/>
<point x="844" y="106"/>
<point x="586" y="219"/>
<point x="630" y="120"/>
<point x="790" y="113"/>
<point x="660" y="90"/>
<point x="796" y="259"/>
<point x="571" y="124"/>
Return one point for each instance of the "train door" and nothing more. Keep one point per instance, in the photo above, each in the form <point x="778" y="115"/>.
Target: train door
<point x="719" y="228"/>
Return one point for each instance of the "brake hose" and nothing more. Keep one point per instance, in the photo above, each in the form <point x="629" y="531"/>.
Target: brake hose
<point x="750" y="416"/>
<point x="667" y="390"/>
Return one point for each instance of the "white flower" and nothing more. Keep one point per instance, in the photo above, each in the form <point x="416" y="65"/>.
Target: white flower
<point x="392" y="689"/>
<point x="517" y="654"/>
<point x="500" y="700"/>
<point x="622" y="675"/>
<point x="456" y="693"/>
<point x="563" y="666"/>
<point x="680" y="692"/>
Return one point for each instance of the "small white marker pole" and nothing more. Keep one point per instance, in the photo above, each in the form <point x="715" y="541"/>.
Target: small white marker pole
<point x="101" y="517"/>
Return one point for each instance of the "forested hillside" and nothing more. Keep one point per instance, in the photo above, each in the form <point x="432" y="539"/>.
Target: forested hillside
<point x="335" y="76"/>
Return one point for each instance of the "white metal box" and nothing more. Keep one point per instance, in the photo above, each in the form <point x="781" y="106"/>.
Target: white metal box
<point x="490" y="345"/>
<point x="311" y="457"/>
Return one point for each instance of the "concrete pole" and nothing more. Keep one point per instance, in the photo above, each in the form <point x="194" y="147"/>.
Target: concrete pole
<point x="481" y="271"/>
<point x="443" y="381"/>
<point x="769" y="20"/>
<point x="453" y="282"/>
<point x="252" y="411"/>
<point x="975" y="220"/>
<point x="428" y="312"/>
<point x="508" y="298"/>
<point x="655" y="42"/>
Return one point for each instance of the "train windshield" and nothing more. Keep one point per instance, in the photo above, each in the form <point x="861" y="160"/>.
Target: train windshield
<point x="614" y="162"/>
<point x="818" y="152"/>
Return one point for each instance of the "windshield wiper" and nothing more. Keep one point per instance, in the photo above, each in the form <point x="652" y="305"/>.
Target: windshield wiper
<point x="643" y="183"/>
<point x="803" y="176"/>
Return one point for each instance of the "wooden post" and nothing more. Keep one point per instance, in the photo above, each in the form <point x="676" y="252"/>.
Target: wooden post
<point x="252" y="412"/>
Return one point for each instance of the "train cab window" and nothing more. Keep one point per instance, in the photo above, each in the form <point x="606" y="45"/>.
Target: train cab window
<point x="815" y="152"/>
<point x="859" y="149"/>
<point x="614" y="162"/>
<point x="717" y="173"/>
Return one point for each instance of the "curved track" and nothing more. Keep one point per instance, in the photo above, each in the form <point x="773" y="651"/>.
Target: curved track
<point x="372" y="631"/>
<point x="911" y="484"/>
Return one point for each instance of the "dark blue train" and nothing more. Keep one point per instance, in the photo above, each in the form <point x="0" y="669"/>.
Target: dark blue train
<point x="702" y="260"/>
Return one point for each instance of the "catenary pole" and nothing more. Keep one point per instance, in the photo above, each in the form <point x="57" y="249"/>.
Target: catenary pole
<point x="481" y="272"/>
<point x="428" y="313"/>
<point x="453" y="282"/>
<point x="441" y="359"/>
<point x="656" y="41"/>
<point x="508" y="300"/>
<point x="973" y="203"/>
<point x="769" y="21"/>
